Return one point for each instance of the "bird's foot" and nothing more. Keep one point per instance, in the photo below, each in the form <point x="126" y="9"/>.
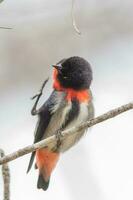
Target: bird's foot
<point x="59" y="138"/>
<point x="39" y="94"/>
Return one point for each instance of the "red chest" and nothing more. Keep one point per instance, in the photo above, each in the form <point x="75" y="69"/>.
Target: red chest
<point x="81" y="95"/>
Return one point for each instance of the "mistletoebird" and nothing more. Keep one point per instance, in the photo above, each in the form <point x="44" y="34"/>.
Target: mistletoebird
<point x="69" y="104"/>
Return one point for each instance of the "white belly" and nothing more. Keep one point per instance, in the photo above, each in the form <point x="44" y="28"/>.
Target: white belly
<point x="69" y="141"/>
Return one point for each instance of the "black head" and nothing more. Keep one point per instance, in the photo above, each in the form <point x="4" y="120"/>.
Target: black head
<point x="74" y="72"/>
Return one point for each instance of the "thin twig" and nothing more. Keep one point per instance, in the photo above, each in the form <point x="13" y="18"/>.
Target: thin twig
<point x="53" y="139"/>
<point x="2" y="27"/>
<point x="73" y="19"/>
<point x="6" y="178"/>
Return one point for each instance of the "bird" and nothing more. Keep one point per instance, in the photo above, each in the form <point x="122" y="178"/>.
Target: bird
<point x="69" y="104"/>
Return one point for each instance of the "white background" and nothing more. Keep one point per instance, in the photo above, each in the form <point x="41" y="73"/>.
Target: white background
<point x="100" y="167"/>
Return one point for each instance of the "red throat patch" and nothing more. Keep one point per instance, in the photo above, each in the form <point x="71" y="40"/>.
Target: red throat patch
<point x="56" y="84"/>
<point x="81" y="95"/>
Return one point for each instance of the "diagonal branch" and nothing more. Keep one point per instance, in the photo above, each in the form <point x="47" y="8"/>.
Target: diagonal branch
<point x="6" y="178"/>
<point x="54" y="139"/>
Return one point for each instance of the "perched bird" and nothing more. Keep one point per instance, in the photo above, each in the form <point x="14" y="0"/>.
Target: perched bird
<point x="69" y="105"/>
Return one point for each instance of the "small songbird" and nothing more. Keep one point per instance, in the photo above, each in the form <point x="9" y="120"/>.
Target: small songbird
<point x="69" y="105"/>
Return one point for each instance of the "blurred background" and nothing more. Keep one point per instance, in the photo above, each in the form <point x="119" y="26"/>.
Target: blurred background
<point x="100" y="167"/>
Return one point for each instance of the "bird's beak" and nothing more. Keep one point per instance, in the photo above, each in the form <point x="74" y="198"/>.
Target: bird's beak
<point x="57" y="66"/>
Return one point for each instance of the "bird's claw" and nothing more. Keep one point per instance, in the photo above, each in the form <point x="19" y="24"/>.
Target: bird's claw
<point x="39" y="94"/>
<point x="36" y="95"/>
<point x="59" y="137"/>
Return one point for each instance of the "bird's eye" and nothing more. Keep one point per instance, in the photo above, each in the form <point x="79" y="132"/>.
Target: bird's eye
<point x="65" y="77"/>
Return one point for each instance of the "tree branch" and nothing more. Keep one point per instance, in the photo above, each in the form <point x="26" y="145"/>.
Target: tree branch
<point x="3" y="27"/>
<point x="73" y="19"/>
<point x="54" y="139"/>
<point x="6" y="178"/>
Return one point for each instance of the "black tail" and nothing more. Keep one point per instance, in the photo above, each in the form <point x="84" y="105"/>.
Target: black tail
<point x="31" y="161"/>
<point x="42" y="184"/>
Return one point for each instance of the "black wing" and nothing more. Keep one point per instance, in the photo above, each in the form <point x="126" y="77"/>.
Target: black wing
<point x="44" y="119"/>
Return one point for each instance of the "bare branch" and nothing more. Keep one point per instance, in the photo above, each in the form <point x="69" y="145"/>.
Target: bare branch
<point x="73" y="19"/>
<point x="6" y="178"/>
<point x="2" y="27"/>
<point x="54" y="140"/>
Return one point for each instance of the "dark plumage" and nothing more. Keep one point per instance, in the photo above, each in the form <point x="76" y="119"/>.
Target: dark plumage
<point x="75" y="72"/>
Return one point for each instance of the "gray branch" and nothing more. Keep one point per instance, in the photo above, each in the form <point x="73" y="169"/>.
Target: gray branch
<point x="73" y="19"/>
<point x="54" y="139"/>
<point x="6" y="178"/>
<point x="3" y="27"/>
